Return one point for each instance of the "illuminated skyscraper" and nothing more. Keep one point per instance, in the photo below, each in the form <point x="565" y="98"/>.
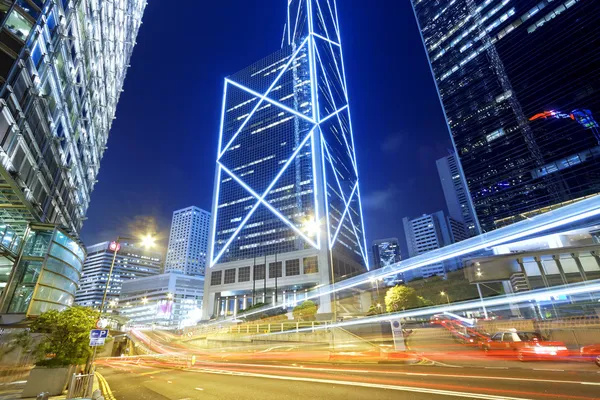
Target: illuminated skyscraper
<point x="188" y="241"/>
<point x="62" y="68"/>
<point x="385" y="252"/>
<point x="131" y="262"/>
<point x="457" y="198"/>
<point x="518" y="80"/>
<point x="286" y="187"/>
<point x="429" y="232"/>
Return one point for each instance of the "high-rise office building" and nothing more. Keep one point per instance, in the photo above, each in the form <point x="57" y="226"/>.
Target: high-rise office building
<point x="62" y="67"/>
<point x="286" y="187"/>
<point x="429" y="232"/>
<point x="456" y="194"/>
<point x="188" y="241"/>
<point x="518" y="84"/>
<point x="168" y="300"/>
<point x="131" y="262"/>
<point x="385" y="252"/>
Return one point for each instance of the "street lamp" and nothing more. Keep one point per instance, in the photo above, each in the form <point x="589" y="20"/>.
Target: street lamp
<point x="145" y="300"/>
<point x="170" y="296"/>
<point x="147" y="241"/>
<point x="442" y="293"/>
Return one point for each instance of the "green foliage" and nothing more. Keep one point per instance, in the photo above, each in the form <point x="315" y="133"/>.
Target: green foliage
<point x="253" y="307"/>
<point x="423" y="302"/>
<point x="65" y="336"/>
<point x="400" y="298"/>
<point x="456" y="286"/>
<point x="305" y="311"/>
<point x="374" y="310"/>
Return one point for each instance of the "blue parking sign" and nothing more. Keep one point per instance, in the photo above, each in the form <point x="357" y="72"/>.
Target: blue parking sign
<point x="98" y="333"/>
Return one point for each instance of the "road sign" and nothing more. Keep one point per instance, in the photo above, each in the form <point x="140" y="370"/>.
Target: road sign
<point x="398" y="335"/>
<point x="99" y="334"/>
<point x="97" y="342"/>
<point x="102" y="323"/>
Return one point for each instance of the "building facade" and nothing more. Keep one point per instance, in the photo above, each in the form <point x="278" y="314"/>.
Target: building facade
<point x="518" y="84"/>
<point x="168" y="300"/>
<point x="188" y="241"/>
<point x="62" y="67"/>
<point x="456" y="194"/>
<point x="286" y="185"/>
<point x="429" y="232"/>
<point x="131" y="262"/>
<point x="46" y="274"/>
<point x="385" y="252"/>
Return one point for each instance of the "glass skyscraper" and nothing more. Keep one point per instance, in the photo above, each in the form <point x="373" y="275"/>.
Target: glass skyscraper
<point x="188" y="241"/>
<point x="286" y="187"/>
<point x="518" y="80"/>
<point x="62" y="68"/>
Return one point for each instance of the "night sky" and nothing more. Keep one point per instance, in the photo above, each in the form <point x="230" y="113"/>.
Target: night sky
<point x="162" y="146"/>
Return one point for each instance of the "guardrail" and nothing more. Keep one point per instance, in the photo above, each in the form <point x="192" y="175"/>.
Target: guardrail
<point x="289" y="327"/>
<point x="81" y="385"/>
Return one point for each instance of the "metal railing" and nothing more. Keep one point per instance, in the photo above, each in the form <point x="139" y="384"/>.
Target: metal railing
<point x="289" y="327"/>
<point x="81" y="385"/>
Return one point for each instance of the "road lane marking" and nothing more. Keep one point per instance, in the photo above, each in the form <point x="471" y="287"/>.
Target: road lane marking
<point x="549" y="369"/>
<point x="169" y="382"/>
<point x="591" y="383"/>
<point x="104" y="387"/>
<point x="151" y="372"/>
<point x="199" y="389"/>
<point x="479" y="396"/>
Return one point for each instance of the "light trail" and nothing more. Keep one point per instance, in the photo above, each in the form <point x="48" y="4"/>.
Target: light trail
<point x="566" y="215"/>
<point x="385" y="372"/>
<point x="416" y="389"/>
<point x="534" y="295"/>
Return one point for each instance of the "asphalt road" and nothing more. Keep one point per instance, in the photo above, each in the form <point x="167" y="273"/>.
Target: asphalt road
<point x="138" y="381"/>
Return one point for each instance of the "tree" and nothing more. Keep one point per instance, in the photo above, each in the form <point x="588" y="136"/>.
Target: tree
<point x="400" y="298"/>
<point x="305" y="311"/>
<point x="374" y="310"/>
<point x="65" y="335"/>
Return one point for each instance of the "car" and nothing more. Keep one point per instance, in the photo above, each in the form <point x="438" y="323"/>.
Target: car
<point x="591" y="352"/>
<point x="525" y="346"/>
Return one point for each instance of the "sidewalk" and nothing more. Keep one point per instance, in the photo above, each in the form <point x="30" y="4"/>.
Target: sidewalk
<point x="13" y="390"/>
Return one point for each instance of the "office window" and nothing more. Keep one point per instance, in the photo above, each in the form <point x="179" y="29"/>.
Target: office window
<point x="244" y="274"/>
<point x="215" y="278"/>
<point x="292" y="267"/>
<point x="275" y="269"/>
<point x="229" y="276"/>
<point x="259" y="271"/>
<point x="311" y="265"/>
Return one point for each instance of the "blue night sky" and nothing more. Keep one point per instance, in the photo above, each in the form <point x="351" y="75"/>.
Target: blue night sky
<point x="162" y="145"/>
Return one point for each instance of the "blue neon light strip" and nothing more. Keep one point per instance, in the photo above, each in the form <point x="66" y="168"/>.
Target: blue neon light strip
<point x="261" y="198"/>
<point x="283" y="71"/>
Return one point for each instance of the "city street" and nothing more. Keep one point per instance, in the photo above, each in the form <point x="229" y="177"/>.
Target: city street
<point x="130" y="381"/>
<point x="439" y="347"/>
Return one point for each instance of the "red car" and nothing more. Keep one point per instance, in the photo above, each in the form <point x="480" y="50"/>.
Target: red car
<point x="525" y="346"/>
<point x="591" y="352"/>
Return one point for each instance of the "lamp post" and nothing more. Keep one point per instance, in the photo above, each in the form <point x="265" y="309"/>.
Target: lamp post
<point x="147" y="241"/>
<point x="442" y="293"/>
